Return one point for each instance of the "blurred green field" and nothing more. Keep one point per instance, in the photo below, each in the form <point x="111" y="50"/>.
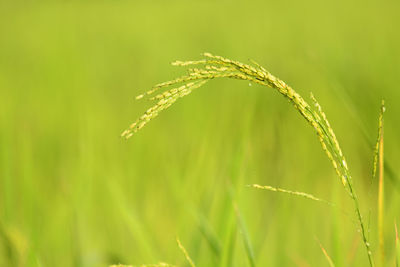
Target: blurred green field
<point x="73" y="193"/>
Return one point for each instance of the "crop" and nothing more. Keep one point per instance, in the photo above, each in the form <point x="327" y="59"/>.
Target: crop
<point x="211" y="67"/>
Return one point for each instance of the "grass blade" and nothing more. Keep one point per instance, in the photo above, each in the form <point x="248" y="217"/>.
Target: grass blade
<point x="210" y="236"/>
<point x="245" y="235"/>
<point x="229" y="242"/>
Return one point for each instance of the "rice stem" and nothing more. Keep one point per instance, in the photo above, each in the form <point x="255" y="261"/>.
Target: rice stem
<point x="381" y="189"/>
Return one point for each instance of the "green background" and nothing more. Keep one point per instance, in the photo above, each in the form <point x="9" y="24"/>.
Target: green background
<point x="72" y="193"/>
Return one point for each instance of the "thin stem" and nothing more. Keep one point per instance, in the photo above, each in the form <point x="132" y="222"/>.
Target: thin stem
<point x="360" y="220"/>
<point x="381" y="195"/>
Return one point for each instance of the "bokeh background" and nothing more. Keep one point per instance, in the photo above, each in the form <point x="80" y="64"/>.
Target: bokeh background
<point x="73" y="193"/>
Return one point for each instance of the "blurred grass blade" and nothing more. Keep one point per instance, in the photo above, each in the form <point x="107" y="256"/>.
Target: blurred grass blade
<point x="328" y="258"/>
<point x="228" y="217"/>
<point x="132" y="221"/>
<point x="14" y="244"/>
<point x="210" y="236"/>
<point x="229" y="243"/>
<point x="9" y="253"/>
<point x="245" y="236"/>
<point x="185" y="253"/>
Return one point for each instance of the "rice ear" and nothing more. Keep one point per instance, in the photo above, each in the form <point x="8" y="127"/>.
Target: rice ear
<point x="212" y="67"/>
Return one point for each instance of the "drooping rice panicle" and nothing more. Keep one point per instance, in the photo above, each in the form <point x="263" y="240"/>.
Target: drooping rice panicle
<point x="331" y="144"/>
<point x="213" y="67"/>
<point x="165" y="100"/>
<point x="295" y="193"/>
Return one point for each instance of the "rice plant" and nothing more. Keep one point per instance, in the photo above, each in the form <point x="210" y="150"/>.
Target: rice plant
<point x="211" y="67"/>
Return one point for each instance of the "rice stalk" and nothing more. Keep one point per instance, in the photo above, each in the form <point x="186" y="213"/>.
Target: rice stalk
<point x="295" y="193"/>
<point x="212" y="67"/>
<point x="185" y="253"/>
<point x="397" y="252"/>
<point x="378" y="139"/>
<point x="381" y="188"/>
<point x="328" y="258"/>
